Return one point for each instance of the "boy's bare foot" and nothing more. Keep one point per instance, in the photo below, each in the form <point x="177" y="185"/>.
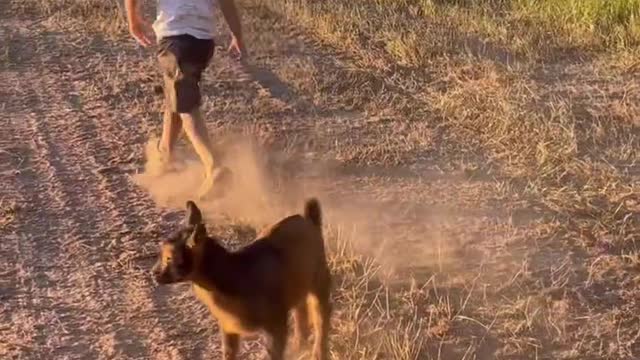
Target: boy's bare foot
<point x="159" y="162"/>
<point x="216" y="184"/>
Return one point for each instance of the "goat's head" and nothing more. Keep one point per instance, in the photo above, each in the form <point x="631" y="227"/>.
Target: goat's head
<point x="177" y="254"/>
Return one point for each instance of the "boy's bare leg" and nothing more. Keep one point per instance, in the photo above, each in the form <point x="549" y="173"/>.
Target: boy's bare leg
<point x="196" y="130"/>
<point x="160" y="153"/>
<point x="172" y="124"/>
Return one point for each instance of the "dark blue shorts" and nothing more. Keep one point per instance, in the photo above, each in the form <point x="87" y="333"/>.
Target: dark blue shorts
<point x="182" y="59"/>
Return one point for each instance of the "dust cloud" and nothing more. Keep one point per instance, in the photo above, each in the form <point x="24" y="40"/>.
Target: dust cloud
<point x="268" y="185"/>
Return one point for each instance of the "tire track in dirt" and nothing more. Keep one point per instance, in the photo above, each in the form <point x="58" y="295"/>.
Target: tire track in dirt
<point x="87" y="280"/>
<point x="100" y="217"/>
<point x="14" y="334"/>
<point x="157" y="319"/>
<point x="87" y="216"/>
<point x="119" y="296"/>
<point x="42" y="265"/>
<point x="178" y="321"/>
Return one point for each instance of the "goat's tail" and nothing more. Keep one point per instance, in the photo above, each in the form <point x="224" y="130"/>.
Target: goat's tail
<point x="312" y="211"/>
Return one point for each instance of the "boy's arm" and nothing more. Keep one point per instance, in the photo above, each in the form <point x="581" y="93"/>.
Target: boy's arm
<point x="230" y="13"/>
<point x="138" y="27"/>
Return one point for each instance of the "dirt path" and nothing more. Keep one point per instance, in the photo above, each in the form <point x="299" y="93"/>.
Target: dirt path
<point x="79" y="233"/>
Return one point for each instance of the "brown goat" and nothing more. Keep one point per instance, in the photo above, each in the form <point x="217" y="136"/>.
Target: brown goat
<point x="253" y="289"/>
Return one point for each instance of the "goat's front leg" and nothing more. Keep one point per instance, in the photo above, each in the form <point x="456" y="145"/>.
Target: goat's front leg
<point x="230" y="345"/>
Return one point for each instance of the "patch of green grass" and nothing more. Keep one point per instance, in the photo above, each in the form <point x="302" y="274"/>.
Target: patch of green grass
<point x="611" y="22"/>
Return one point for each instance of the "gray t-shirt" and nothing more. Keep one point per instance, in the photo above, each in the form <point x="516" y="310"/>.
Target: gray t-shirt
<point x="178" y="17"/>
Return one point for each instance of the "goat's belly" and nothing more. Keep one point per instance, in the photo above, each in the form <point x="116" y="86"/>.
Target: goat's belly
<point x="231" y="323"/>
<point x="231" y="317"/>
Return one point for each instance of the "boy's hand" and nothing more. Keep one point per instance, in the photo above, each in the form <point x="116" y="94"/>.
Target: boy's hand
<point x="237" y="48"/>
<point x="141" y="31"/>
<point x="230" y="14"/>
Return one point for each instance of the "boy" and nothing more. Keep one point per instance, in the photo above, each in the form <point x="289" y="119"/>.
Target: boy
<point x="184" y="31"/>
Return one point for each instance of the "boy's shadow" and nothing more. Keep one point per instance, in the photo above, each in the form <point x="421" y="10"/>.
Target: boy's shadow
<point x="267" y="80"/>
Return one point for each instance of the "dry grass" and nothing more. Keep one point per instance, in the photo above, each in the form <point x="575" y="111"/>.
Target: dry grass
<point x="564" y="123"/>
<point x="534" y="102"/>
<point x="106" y="17"/>
<point x="560" y="130"/>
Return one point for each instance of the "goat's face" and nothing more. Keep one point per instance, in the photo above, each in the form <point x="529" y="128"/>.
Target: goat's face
<point x="175" y="260"/>
<point x="177" y="254"/>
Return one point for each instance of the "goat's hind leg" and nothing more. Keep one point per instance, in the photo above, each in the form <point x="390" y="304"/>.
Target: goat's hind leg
<point x="301" y="325"/>
<point x="320" y="309"/>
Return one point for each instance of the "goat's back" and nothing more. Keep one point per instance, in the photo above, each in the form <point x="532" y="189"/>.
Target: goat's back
<point x="301" y="244"/>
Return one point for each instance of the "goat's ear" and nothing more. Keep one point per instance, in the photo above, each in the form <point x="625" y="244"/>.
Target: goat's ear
<point x="197" y="235"/>
<point x="194" y="216"/>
